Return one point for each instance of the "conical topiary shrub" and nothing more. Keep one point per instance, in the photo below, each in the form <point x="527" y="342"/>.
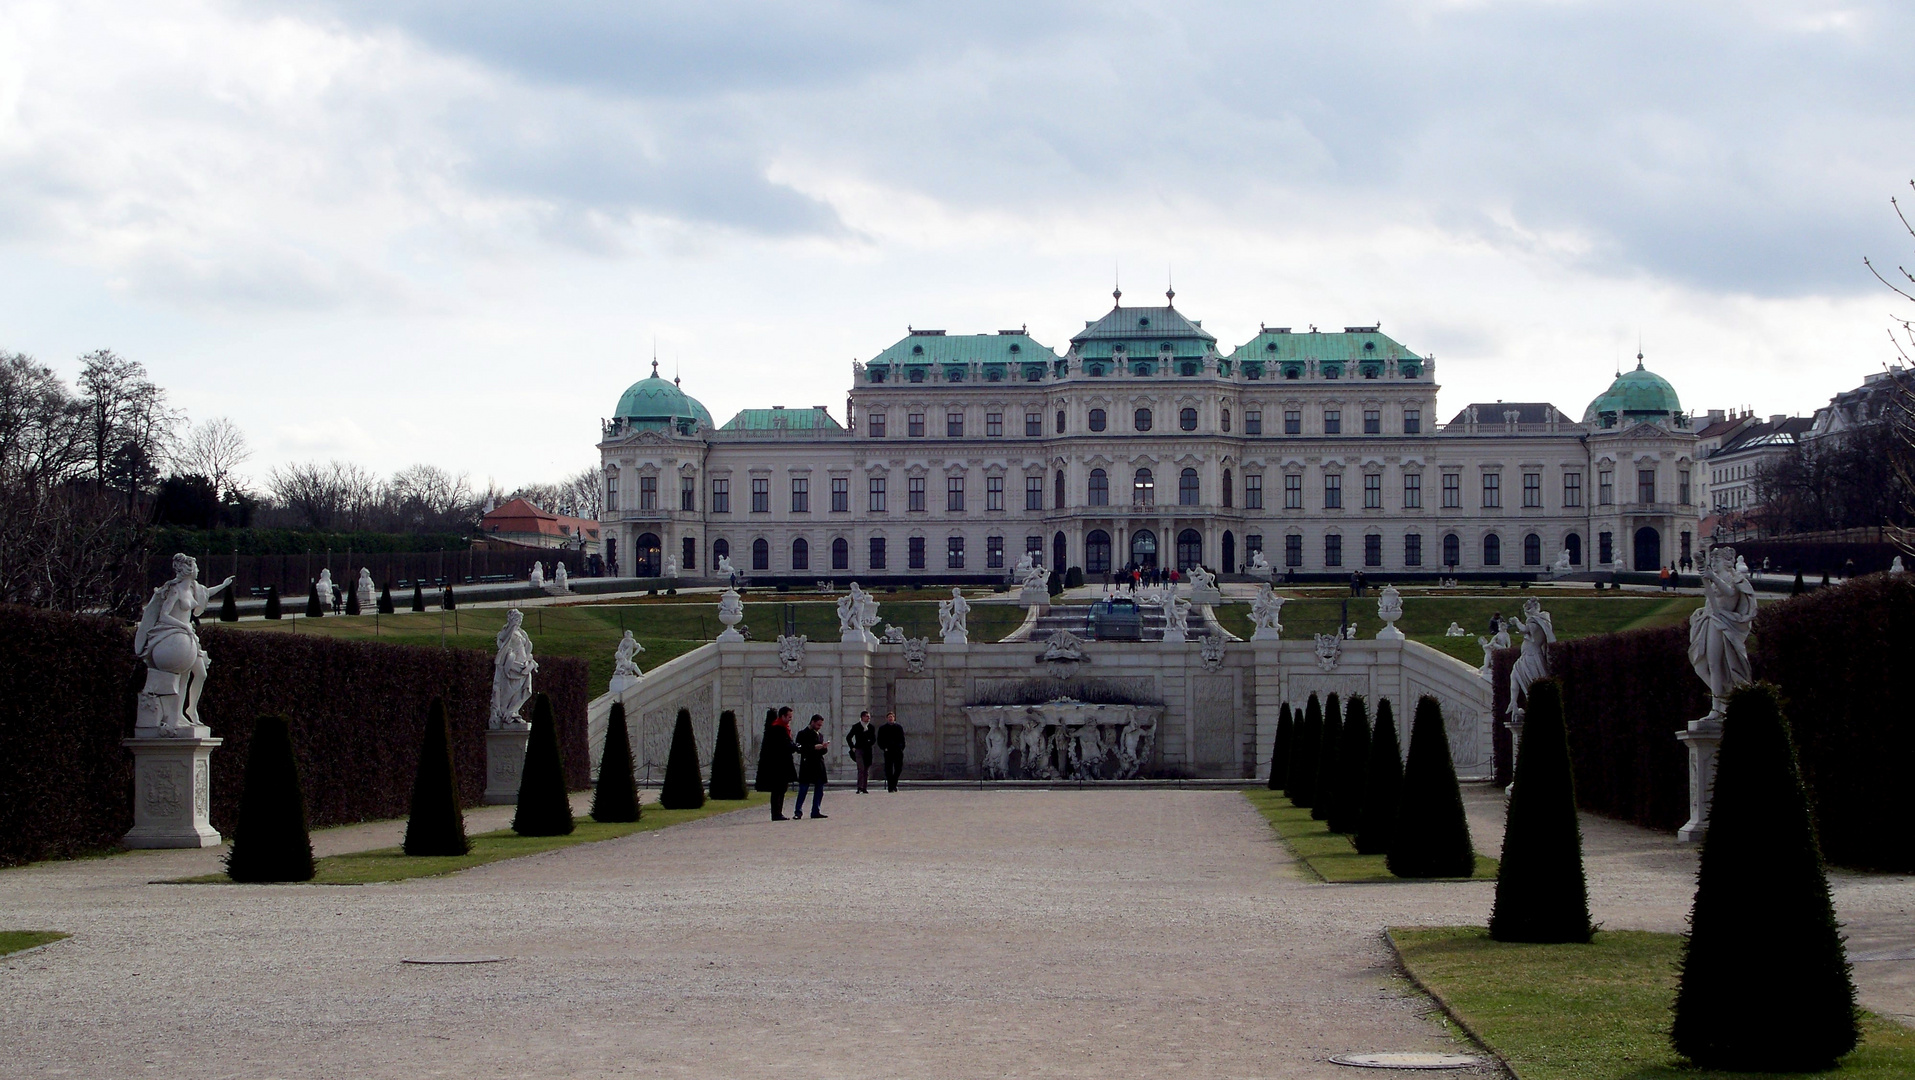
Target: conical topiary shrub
<point x="684" y="787"/>
<point x="229" y="604"/>
<point x="436" y="825"/>
<point x="1382" y="781"/>
<point x="1765" y="985"/>
<point x="352" y="600"/>
<point x="418" y="596"/>
<point x="1353" y="761"/>
<point x="1432" y="832"/>
<point x="1541" y="895"/>
<point x="1323" y="790"/>
<point x="385" y="599"/>
<point x="545" y="809"/>
<point x="1303" y="754"/>
<point x="450" y="602"/>
<point x="273" y="610"/>
<point x="615" y="798"/>
<point x="727" y="760"/>
<point x="270" y="842"/>
<point x="314" y="606"/>
<point x="1280" y="749"/>
<point x="764" y="750"/>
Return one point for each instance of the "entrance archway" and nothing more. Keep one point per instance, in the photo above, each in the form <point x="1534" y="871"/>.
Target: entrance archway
<point x="1574" y="542"/>
<point x="1190" y="549"/>
<point x="646" y="556"/>
<point x="1060" y="553"/>
<point x="1097" y="552"/>
<point x="1648" y="549"/>
<point x="1143" y="547"/>
<point x="1229" y="553"/>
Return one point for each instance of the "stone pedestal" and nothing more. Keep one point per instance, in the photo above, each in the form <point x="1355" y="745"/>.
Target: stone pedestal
<point x="504" y="763"/>
<point x="172" y="791"/>
<point x="1034" y="596"/>
<point x="1702" y="738"/>
<point x="1200" y="596"/>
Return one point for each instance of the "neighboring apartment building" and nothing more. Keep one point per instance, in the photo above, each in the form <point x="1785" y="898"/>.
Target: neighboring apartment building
<point x="1145" y="443"/>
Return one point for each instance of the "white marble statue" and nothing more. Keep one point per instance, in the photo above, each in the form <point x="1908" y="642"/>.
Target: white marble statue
<point x="731" y="609"/>
<point x="324" y="585"/>
<point x="1259" y="566"/>
<point x="848" y="630"/>
<point x="893" y="635"/>
<point x="1455" y="630"/>
<point x="1895" y="566"/>
<point x="1490" y="645"/>
<point x="671" y="566"/>
<point x="1133" y="743"/>
<point x="1741" y="566"/>
<point x="1087" y="752"/>
<point x="1562" y="562"/>
<point x="1538" y="631"/>
<point x="1349" y="632"/>
<point x="1203" y="587"/>
<point x="1719" y="630"/>
<point x="368" y="596"/>
<point x="169" y="645"/>
<point x="1389" y="608"/>
<point x="1022" y="571"/>
<point x="625" y="671"/>
<point x="791" y="653"/>
<point x="1176" y="620"/>
<point x="537" y="576"/>
<point x="867" y="613"/>
<point x="558" y="578"/>
<point x="1329" y="651"/>
<point x="951" y="615"/>
<point x="1034" y="748"/>
<point x="512" y="669"/>
<point x="997" y="750"/>
<point x="1266" y="608"/>
<point x="725" y="569"/>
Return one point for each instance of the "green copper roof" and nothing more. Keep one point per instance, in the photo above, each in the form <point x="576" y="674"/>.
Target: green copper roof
<point x="657" y="400"/>
<point x="782" y="420"/>
<point x="937" y="347"/>
<point x="1350" y="345"/>
<point x="1142" y="334"/>
<point x="1638" y="394"/>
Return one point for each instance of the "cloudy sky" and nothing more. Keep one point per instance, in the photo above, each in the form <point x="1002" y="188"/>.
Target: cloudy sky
<point x="419" y="230"/>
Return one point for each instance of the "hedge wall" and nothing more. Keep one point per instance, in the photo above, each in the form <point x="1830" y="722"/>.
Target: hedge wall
<point x="357" y="711"/>
<point x="1501" y="661"/>
<point x="1624" y="698"/>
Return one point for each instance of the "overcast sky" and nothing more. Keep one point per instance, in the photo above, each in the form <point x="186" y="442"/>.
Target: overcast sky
<point x="411" y="230"/>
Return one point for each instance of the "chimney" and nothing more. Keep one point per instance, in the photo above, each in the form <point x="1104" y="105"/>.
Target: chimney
<point x="1716" y="416"/>
<point x="1778" y="418"/>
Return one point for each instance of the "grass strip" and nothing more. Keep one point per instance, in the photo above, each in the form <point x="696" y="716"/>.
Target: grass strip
<point x="393" y="864"/>
<point x="1590" y="1012"/>
<point x="13" y="941"/>
<point x="1329" y="855"/>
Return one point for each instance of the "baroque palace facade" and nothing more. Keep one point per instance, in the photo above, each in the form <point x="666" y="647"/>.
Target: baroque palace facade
<point x="1145" y="443"/>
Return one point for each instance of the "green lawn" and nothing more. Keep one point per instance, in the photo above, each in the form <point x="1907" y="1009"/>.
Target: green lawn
<point x="1329" y="855"/>
<point x="1591" y="1012"/>
<point x="393" y="864"/>
<point x="13" y="941"/>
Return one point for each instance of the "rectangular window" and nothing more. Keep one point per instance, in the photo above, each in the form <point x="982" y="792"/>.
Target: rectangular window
<point x="687" y="494"/>
<point x="761" y="496"/>
<point x="1033" y="493"/>
<point x="1413" y="549"/>
<point x="1333" y="421"/>
<point x="611" y="495"/>
<point x="1645" y="485"/>
<point x="1293" y="491"/>
<point x="994" y="553"/>
<point x="1373" y="550"/>
<point x="1253" y="422"/>
<point x="1034" y="547"/>
<point x="915" y="552"/>
<point x="801" y="496"/>
<point x="1492" y="490"/>
<point x="914" y="425"/>
<point x="954" y="493"/>
<point x="1333" y="550"/>
<point x="840" y="494"/>
<point x="1033" y="424"/>
<point x="954" y="553"/>
<point x="648" y="493"/>
<point x="994" y="424"/>
<point x="1572" y="489"/>
<point x="1412" y="421"/>
<point x="1293" y="551"/>
<point x="1333" y="491"/>
<point x="1606" y="548"/>
<point x="1372" y="491"/>
<point x="1412" y="491"/>
<point x="915" y="495"/>
<point x="994" y="493"/>
<point x="1532" y="489"/>
<point x="1372" y="423"/>
<point x="1605" y="489"/>
<point x="875" y="425"/>
<point x="1224" y="419"/>
<point x="1452" y="491"/>
<point x="1253" y="491"/>
<point x="1293" y="421"/>
<point x="1060" y="421"/>
<point x="1251" y="545"/>
<point x="954" y="425"/>
<point x="721" y="496"/>
<point x="877" y="494"/>
<point x="1682" y="486"/>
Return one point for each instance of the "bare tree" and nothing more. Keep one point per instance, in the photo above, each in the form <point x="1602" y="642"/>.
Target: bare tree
<point x="128" y="417"/>
<point x="426" y="498"/>
<point x="43" y="429"/>
<point x="580" y="495"/>
<point x="1899" y="416"/>
<point x="214" y="450"/>
<point x="335" y="495"/>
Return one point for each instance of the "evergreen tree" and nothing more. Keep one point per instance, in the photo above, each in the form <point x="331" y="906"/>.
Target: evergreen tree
<point x="1303" y="754"/>
<point x="1382" y="783"/>
<point x="385" y="599"/>
<point x="545" y="809"/>
<point x="451" y="602"/>
<point x="229" y="604"/>
<point x="1353" y="762"/>
<point x="270" y="842"/>
<point x="1765" y="985"/>
<point x="1280" y="749"/>
<point x="727" y="760"/>
<point x="436" y="825"/>
<point x="352" y="600"/>
<point x="615" y="798"/>
<point x="1323" y="790"/>
<point x="314" y="608"/>
<point x="1541" y="895"/>
<point x="418" y="596"/>
<point x="764" y="748"/>
<point x="1432" y="833"/>
<point x="272" y="603"/>
<point x="684" y="787"/>
<point x="1796" y="589"/>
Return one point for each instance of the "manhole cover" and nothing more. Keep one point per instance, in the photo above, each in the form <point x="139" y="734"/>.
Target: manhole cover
<point x="1431" y="1062"/>
<point x="439" y="960"/>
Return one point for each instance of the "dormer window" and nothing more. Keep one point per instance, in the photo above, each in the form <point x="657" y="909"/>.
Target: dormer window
<point x="1014" y="347"/>
<point x="1293" y="370"/>
<point x="1332" y="371"/>
<point x="1369" y="346"/>
<point x="917" y="350"/>
<point x="917" y="374"/>
<point x="1409" y="369"/>
<point x="876" y="374"/>
<point x="1190" y="369"/>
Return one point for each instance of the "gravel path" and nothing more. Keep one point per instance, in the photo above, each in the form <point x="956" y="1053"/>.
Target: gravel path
<point x="932" y="933"/>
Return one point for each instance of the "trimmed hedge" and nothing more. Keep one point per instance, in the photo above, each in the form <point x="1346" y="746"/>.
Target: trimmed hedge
<point x="1624" y="698"/>
<point x="357" y="711"/>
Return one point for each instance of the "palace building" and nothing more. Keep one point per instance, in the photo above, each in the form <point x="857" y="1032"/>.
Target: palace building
<point x="1144" y="442"/>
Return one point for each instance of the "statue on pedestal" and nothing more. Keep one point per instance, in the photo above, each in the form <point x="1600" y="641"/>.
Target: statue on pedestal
<point x="1389" y="608"/>
<point x="1265" y="609"/>
<point x="671" y="566"/>
<point x="324" y="586"/>
<point x="1719" y="630"/>
<point x="1895" y="567"/>
<point x="625" y="663"/>
<point x="1259" y="566"/>
<point x="368" y="601"/>
<point x="558" y="578"/>
<point x="1490" y="645"/>
<point x="1538" y="631"/>
<point x="1562" y="562"/>
<point x="169" y="644"/>
<point x="725" y="569"/>
<point x="512" y="669"/>
<point x="537" y="576"/>
<point x="997" y="750"/>
<point x="1176" y="619"/>
<point x="951" y="615"/>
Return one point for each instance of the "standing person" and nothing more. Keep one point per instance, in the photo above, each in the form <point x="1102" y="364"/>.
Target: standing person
<point x="1665" y="579"/>
<point x="859" y="741"/>
<point x="774" y="762"/>
<point x="812" y="745"/>
<point x="1495" y="623"/>
<point x="891" y="741"/>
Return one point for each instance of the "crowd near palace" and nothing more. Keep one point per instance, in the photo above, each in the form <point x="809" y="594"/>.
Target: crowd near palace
<point x="1144" y="443"/>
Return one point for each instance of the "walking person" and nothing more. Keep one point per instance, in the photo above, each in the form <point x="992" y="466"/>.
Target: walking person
<point x="1665" y="579"/>
<point x="774" y="762"/>
<point x="812" y="745"/>
<point x="859" y="741"/>
<point x="891" y="742"/>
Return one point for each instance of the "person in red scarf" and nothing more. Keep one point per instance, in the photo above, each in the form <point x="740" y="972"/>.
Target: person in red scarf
<point x="774" y="761"/>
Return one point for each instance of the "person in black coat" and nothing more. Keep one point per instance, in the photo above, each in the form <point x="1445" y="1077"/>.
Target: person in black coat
<point x="890" y="740"/>
<point x="859" y="741"/>
<point x="774" y="762"/>
<point x="812" y="745"/>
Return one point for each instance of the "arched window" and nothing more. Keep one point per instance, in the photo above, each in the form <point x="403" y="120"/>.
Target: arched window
<point x="1187" y="419"/>
<point x="1452" y="550"/>
<point x="1060" y="552"/>
<point x="1190" y="549"/>
<point x="1143" y="489"/>
<point x="1143" y="547"/>
<point x="1097" y="552"/>
<point x="646" y="557"/>
<point x="719" y="550"/>
<point x="1187" y="488"/>
<point x="1099" y="488"/>
<point x="1140" y="420"/>
<point x="800" y="554"/>
<point x="841" y="554"/>
<point x="760" y="554"/>
<point x="1058" y="493"/>
<point x="1097" y="419"/>
<point x="1229" y="553"/>
<point x="1574" y="543"/>
<point x="1532" y="550"/>
<point x="1229" y="492"/>
<point x="1492" y="550"/>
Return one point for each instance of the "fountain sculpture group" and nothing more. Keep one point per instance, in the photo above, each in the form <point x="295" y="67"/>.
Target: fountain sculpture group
<point x="1066" y="740"/>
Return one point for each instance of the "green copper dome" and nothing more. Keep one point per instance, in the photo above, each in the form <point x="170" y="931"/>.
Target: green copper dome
<point x="656" y="401"/>
<point x="1635" y="395"/>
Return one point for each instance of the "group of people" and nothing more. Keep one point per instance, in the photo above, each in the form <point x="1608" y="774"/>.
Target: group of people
<point x="1134" y="576"/>
<point x="776" y="772"/>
